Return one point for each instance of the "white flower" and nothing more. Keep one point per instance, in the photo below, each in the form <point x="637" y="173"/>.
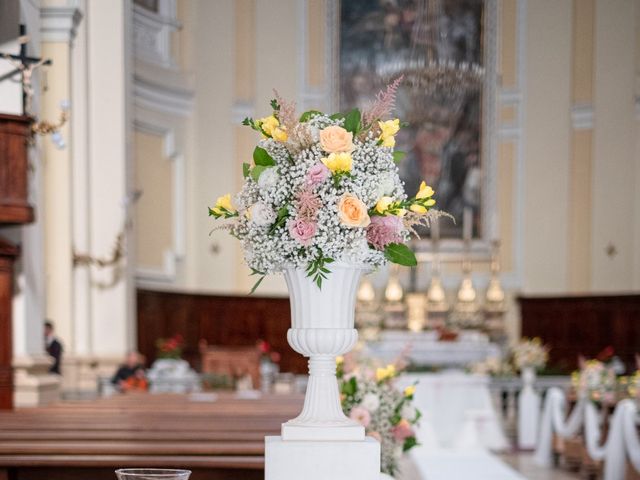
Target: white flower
<point x="261" y="214"/>
<point x="387" y="185"/>
<point x="409" y="412"/>
<point x="371" y="402"/>
<point x="268" y="179"/>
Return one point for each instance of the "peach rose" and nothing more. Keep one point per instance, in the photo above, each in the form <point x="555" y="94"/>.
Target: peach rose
<point x="335" y="139"/>
<point x="352" y="211"/>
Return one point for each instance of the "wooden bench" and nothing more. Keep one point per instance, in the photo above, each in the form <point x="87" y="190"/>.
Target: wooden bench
<point x="89" y="440"/>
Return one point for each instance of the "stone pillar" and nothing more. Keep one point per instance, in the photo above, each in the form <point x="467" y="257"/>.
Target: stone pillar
<point x="58" y="29"/>
<point x="33" y="385"/>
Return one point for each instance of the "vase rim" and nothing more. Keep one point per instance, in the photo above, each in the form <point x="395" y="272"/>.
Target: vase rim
<point x="341" y="264"/>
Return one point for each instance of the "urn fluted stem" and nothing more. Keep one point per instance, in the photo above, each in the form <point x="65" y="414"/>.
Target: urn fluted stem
<point x="322" y="328"/>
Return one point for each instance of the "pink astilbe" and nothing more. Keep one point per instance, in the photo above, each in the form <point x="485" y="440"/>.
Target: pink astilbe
<point x="384" y="230"/>
<point x="384" y="104"/>
<point x="307" y="203"/>
<point x="287" y="113"/>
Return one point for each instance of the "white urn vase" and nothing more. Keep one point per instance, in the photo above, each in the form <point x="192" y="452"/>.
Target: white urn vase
<point x="322" y="327"/>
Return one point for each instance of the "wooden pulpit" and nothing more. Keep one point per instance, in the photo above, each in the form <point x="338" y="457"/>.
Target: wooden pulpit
<point x="15" y="134"/>
<point x="8" y="254"/>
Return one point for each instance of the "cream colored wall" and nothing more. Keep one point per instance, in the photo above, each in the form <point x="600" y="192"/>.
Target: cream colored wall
<point x="154" y="211"/>
<point x="566" y="129"/>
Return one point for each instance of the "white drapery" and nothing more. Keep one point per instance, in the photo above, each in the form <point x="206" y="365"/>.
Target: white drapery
<point x="622" y="441"/>
<point x="553" y="420"/>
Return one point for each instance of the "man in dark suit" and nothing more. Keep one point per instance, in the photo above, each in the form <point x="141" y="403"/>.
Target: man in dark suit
<point x="53" y="346"/>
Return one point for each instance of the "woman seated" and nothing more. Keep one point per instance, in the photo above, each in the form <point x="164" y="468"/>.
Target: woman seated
<point x="131" y="376"/>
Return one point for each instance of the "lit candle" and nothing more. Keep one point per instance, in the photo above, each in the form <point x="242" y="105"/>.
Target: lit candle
<point x="467" y="224"/>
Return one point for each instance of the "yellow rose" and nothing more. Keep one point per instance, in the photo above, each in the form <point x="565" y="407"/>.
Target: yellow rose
<point x="418" y="209"/>
<point x="335" y="139"/>
<point x="401" y="212"/>
<point x="280" y="134"/>
<point x="425" y="191"/>
<point x="269" y="124"/>
<point x="387" y="372"/>
<point x="338" y="162"/>
<point x="389" y="128"/>
<point x="409" y="391"/>
<point x="389" y="142"/>
<point x="352" y="211"/>
<point x="339" y="360"/>
<point x="383" y="204"/>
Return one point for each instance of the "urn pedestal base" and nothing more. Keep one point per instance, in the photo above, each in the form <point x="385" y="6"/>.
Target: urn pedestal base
<point x="317" y="460"/>
<point x="332" y="433"/>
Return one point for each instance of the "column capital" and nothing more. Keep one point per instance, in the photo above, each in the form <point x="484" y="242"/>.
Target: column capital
<point x="59" y="24"/>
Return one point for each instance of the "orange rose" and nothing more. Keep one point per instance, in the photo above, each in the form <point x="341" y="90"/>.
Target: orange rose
<point x="335" y="139"/>
<point x="352" y="211"/>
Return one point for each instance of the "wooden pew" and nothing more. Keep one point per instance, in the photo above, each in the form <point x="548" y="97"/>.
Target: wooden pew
<point x="74" y="440"/>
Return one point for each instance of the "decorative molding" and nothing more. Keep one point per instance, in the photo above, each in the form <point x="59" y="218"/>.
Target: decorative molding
<point x="59" y="24"/>
<point x="152" y="33"/>
<point x="240" y="110"/>
<point x="167" y="273"/>
<point x="162" y="98"/>
<point x="582" y="116"/>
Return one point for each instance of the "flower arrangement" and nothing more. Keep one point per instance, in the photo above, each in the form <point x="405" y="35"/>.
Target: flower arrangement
<point x="493" y="366"/>
<point x="370" y="397"/>
<point x="324" y="188"/>
<point x="530" y="353"/>
<point x="596" y="381"/>
<point x="170" y="347"/>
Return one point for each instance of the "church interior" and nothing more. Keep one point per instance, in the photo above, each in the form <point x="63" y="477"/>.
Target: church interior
<point x="136" y="332"/>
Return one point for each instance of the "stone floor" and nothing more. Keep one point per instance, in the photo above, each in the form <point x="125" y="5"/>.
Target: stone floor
<point x="523" y="463"/>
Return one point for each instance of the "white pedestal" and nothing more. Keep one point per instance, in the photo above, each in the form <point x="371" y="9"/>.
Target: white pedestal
<point x="528" y="412"/>
<point x="316" y="460"/>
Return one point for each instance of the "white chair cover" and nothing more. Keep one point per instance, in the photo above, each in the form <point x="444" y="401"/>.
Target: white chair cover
<point x="630" y="432"/>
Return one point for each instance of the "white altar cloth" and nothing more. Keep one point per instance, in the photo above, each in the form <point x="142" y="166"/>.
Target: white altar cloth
<point x="425" y="349"/>
<point x="461" y="465"/>
<point x="457" y="411"/>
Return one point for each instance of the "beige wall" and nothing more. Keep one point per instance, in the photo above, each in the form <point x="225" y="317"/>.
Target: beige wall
<point x="568" y="162"/>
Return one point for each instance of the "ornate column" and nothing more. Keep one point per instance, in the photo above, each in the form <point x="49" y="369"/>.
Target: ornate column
<point x="58" y="30"/>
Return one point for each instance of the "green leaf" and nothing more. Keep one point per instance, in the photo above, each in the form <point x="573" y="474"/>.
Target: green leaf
<point x="401" y="254"/>
<point x="283" y="214"/>
<point x="246" y="170"/>
<point x="337" y="116"/>
<point x="409" y="443"/>
<point x="275" y="105"/>
<point x="308" y="115"/>
<point x="257" y="171"/>
<point x="257" y="284"/>
<point x="262" y="157"/>
<point x="352" y="121"/>
<point x="398" y="156"/>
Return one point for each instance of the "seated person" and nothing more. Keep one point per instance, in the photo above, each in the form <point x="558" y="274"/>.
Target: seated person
<point x="131" y="375"/>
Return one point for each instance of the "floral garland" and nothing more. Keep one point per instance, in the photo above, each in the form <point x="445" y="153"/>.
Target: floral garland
<point x="530" y="353"/>
<point x="370" y="397"/>
<point x="324" y="188"/>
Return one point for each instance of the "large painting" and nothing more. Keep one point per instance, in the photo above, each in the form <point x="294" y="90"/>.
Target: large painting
<point x="443" y="139"/>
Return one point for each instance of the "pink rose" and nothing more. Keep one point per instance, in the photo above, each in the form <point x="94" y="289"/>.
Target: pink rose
<point x="360" y="415"/>
<point x="317" y="174"/>
<point x="302" y="230"/>
<point x="384" y="230"/>
<point x="402" y="430"/>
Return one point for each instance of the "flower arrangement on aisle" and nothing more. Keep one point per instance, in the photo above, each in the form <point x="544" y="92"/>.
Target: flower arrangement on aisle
<point x="596" y="380"/>
<point x="369" y="396"/>
<point x="492" y="366"/>
<point x="530" y="353"/>
<point x="324" y="188"/>
<point x="170" y="348"/>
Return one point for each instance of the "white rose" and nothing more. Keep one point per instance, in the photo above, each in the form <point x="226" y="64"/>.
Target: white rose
<point x="268" y="179"/>
<point x="409" y="412"/>
<point x="261" y="214"/>
<point x="371" y="402"/>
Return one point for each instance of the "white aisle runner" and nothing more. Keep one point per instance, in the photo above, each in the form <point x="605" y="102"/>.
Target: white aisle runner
<point x="448" y="464"/>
